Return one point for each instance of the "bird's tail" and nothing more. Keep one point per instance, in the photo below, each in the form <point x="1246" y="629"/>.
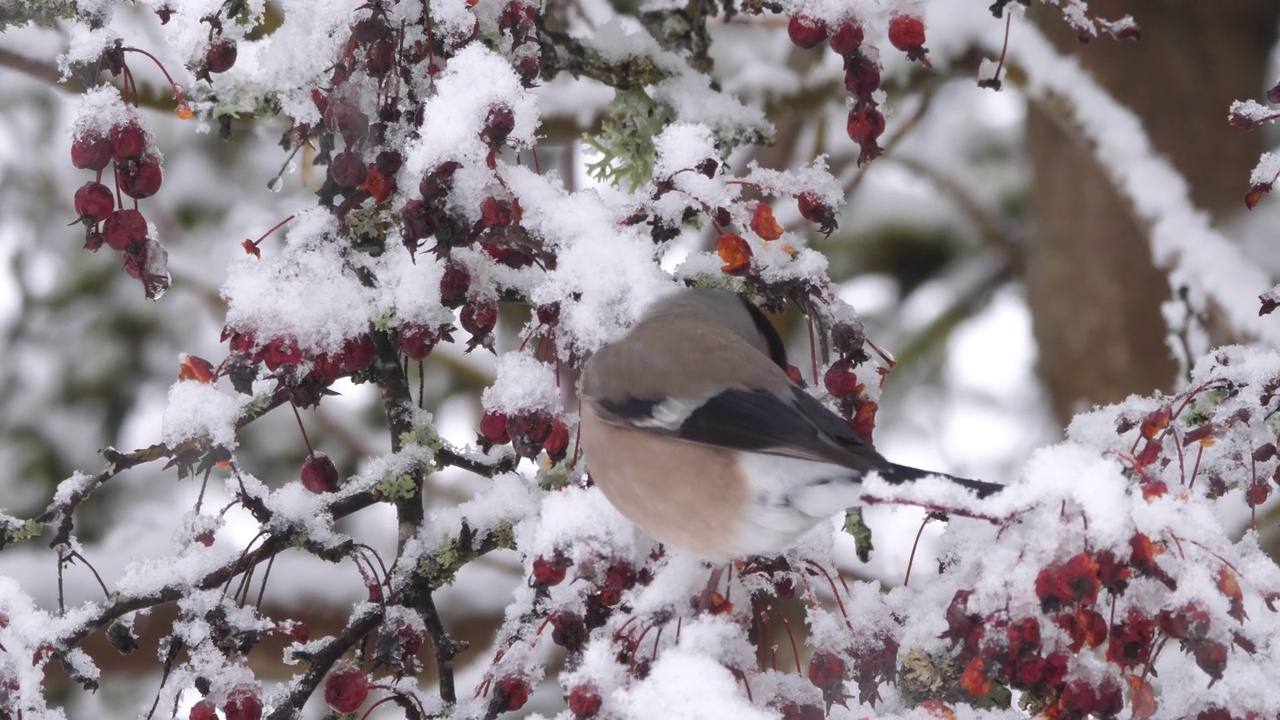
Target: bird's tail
<point x="898" y="474"/>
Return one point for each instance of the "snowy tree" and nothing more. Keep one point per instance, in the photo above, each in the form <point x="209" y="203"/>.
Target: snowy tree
<point x="302" y="423"/>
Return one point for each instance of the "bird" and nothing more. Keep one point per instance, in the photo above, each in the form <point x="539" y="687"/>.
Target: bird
<point x="693" y="430"/>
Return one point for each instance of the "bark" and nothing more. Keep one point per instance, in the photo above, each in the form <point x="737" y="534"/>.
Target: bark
<point x="1094" y="293"/>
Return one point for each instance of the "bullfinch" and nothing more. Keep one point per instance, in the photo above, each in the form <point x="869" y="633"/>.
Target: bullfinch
<point x="694" y="431"/>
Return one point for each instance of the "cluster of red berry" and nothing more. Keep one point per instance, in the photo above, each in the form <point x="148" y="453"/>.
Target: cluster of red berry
<point x="861" y="70"/>
<point x="107" y="217"/>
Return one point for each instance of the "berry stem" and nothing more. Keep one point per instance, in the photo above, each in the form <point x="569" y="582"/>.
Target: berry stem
<point x="305" y="439"/>
<point x="274" y="228"/>
<point x="177" y="91"/>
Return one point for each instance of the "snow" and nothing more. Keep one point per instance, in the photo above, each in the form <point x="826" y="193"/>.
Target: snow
<point x="199" y="411"/>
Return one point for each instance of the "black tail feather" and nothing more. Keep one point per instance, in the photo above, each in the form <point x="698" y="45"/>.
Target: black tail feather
<point x="898" y="474"/>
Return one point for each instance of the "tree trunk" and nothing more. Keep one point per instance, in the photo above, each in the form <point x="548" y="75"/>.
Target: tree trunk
<point x="1094" y="293"/>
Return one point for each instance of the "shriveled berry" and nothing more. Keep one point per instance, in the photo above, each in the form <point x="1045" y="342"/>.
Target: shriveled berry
<point x="847" y="37"/>
<point x="348" y="169"/>
<point x="549" y="314"/>
<point x="91" y="151"/>
<point x="221" y="56"/>
<point x="813" y="209"/>
<point x="94" y="201"/>
<point x="141" y="178"/>
<point x="128" y="141"/>
<point x="124" y="228"/>
<point x="342" y="116"/>
<point x="806" y="32"/>
<point x="416" y="222"/>
<point x="736" y="254"/>
<point x="494" y="211"/>
<point x="549" y="572"/>
<point x="841" y="381"/>
<point x="319" y="474"/>
<point x="861" y="77"/>
<point x="346" y="688"/>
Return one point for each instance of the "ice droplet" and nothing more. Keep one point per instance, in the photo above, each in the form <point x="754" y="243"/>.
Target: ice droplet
<point x="275" y="184"/>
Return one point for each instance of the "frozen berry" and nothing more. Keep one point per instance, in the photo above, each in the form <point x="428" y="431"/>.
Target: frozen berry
<point x="454" y="284"/>
<point x="826" y="670"/>
<point x="141" y="179"/>
<point x="94" y="201"/>
<point x="90" y="151"/>
<point x="124" y="228"/>
<point x="242" y="705"/>
<point x="815" y="210"/>
<point x="841" y="381"/>
<point x="584" y="702"/>
<point x="346" y="688"/>
<point x="806" y="32"/>
<point x="319" y="474"/>
<point x="128" y="141"/>
<point x="498" y="125"/>
<point x="847" y="37"/>
<point x="557" y="443"/>
<point x="221" y="56"/>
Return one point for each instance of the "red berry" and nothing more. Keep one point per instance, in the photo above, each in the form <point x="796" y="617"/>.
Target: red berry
<point x="584" y="701"/>
<point x="861" y="77"/>
<point x="94" y="201"/>
<point x="128" y="141"/>
<point x="358" y="353"/>
<point x="510" y="694"/>
<point x="841" y="381"/>
<point x="454" y="284"/>
<point x="203" y="710"/>
<point x="416" y="222"/>
<point x="826" y="670"/>
<point x="806" y="32"/>
<point x="813" y="209"/>
<point x="906" y="32"/>
<point x="141" y="179"/>
<point x="866" y="124"/>
<point x="549" y="314"/>
<point x="124" y="228"/>
<point x="90" y="152"/>
<point x="550" y="572"/>
<point x="346" y="688"/>
<point x="493" y="428"/>
<point x="319" y="474"/>
<point x="479" y="317"/>
<point x="847" y="37"/>
<point x="348" y="169"/>
<point x="300" y="631"/>
<point x="221" y="56"/>
<point x="498" y="125"/>
<point x="494" y="212"/>
<point x="557" y="443"/>
<point x="528" y="431"/>
<point x="416" y="340"/>
<point x="243" y="705"/>
<point x="281" y="352"/>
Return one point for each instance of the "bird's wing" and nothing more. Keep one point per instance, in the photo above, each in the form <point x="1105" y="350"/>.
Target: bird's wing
<point x="752" y="420"/>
